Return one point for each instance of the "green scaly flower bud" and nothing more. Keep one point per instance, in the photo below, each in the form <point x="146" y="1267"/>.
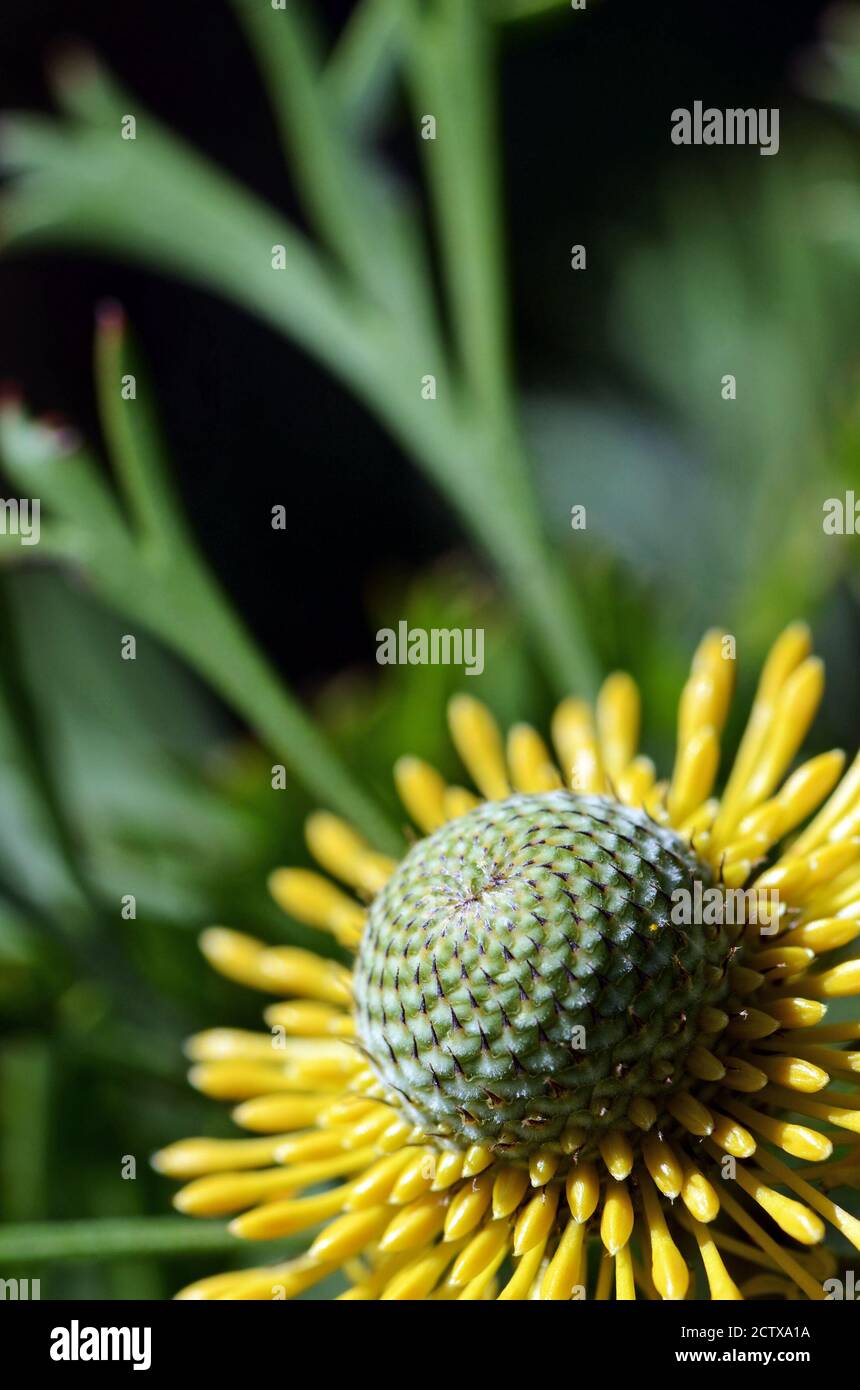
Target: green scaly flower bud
<point x="520" y="976"/>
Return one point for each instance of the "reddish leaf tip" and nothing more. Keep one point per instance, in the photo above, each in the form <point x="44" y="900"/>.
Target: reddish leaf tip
<point x="110" y="316"/>
<point x="65" y="437"/>
<point x="71" y="62"/>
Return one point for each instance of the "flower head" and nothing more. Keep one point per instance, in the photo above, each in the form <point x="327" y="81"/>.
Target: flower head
<point x="582" y="1047"/>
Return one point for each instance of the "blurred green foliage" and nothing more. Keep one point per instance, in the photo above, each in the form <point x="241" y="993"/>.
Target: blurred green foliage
<point x="120" y="778"/>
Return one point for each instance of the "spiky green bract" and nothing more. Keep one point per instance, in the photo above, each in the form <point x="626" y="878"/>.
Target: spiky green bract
<point x="520" y="972"/>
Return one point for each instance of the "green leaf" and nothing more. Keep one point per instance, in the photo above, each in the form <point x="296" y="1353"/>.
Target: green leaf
<point x="158" y="201"/>
<point x="25" y="1082"/>
<point x="451" y="67"/>
<point x="172" y="593"/>
<point x="361" y="73"/>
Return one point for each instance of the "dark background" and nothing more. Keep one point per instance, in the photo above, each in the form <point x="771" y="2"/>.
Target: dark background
<point x="250" y="421"/>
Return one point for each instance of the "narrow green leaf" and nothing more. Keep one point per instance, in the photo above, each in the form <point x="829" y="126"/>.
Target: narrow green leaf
<point x="25" y="1080"/>
<point x="361" y="73"/>
<point x="174" y="595"/>
<point x="451" y="67"/>
<point x="162" y="203"/>
<point x="132" y="434"/>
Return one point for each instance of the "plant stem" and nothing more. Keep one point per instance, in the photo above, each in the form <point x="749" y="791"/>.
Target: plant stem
<point x="117" y="1237"/>
<point x="361" y="71"/>
<point x="509" y="11"/>
<point x="378" y="334"/>
<point x="451" y="76"/>
<point x="169" y="588"/>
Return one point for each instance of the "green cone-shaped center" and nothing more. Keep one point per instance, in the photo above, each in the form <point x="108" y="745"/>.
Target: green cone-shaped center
<point x="520" y="972"/>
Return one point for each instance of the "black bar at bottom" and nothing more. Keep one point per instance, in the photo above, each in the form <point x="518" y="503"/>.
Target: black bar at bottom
<point x="245" y="1339"/>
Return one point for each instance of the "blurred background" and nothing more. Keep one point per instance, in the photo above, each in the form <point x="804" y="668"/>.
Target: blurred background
<point x="700" y="262"/>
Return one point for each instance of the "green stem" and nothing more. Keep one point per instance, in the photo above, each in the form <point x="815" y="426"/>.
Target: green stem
<point x="451" y="67"/>
<point x="535" y="576"/>
<point x="168" y="587"/>
<point x="451" y="73"/>
<point x="370" y="230"/>
<point x="186" y="606"/>
<point x="133" y="437"/>
<point x="118" y="1237"/>
<point x="497" y="503"/>
<point x="25" y="1108"/>
<point x="509" y="11"/>
<point x="319" y="159"/>
<point x="361" y="72"/>
<point x="169" y="206"/>
<point x="53" y="884"/>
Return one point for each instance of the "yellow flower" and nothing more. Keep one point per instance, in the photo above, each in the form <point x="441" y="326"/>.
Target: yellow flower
<point x="433" y="1159"/>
